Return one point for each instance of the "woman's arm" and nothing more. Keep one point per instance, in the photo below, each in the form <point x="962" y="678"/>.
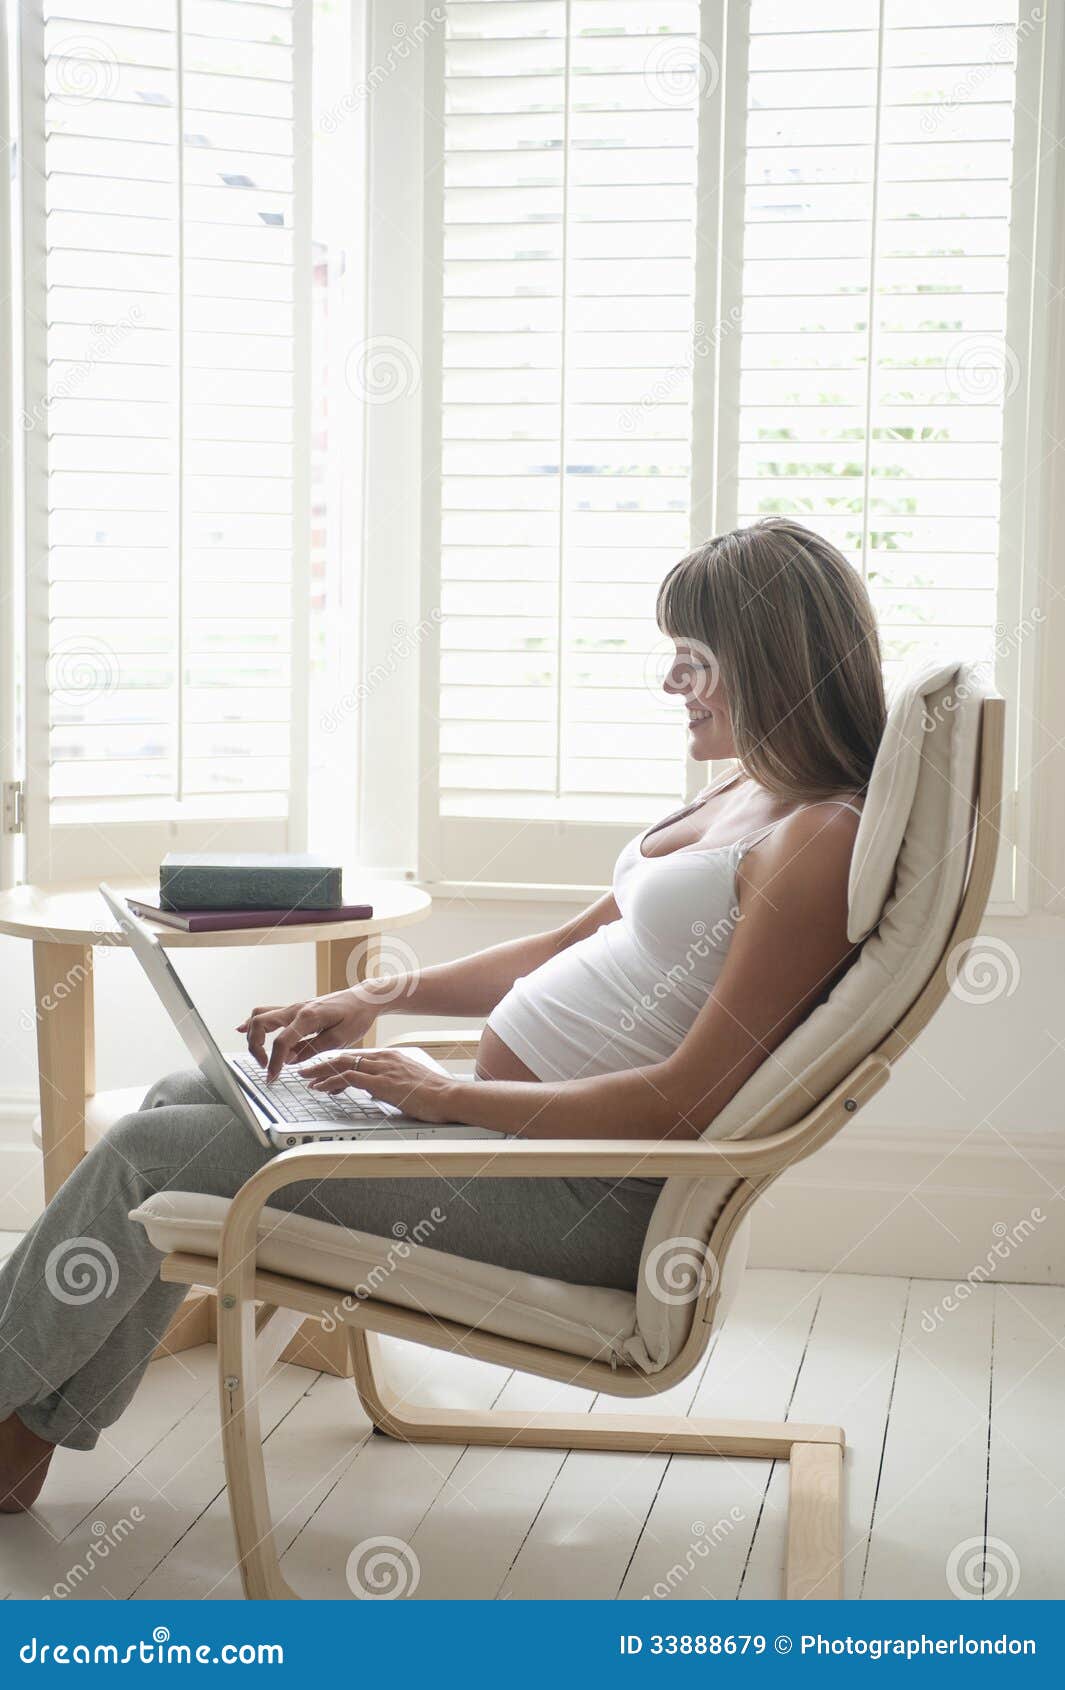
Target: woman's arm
<point x="790" y="942"/>
<point x="471" y="986"/>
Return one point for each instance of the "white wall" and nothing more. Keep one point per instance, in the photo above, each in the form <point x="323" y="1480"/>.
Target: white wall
<point x="965" y="1140"/>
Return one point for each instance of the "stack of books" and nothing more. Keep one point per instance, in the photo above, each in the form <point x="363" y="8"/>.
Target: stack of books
<point x="206" y="892"/>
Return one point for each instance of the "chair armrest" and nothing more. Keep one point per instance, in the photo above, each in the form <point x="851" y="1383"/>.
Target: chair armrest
<point x="456" y="1043"/>
<point x="519" y="1158"/>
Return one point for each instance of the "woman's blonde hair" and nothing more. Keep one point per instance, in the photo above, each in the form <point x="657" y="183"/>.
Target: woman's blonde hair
<point x="791" y="627"/>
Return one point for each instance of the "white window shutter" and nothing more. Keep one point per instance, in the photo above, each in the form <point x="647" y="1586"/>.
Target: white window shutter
<point x="165" y="228"/>
<point x="886" y="388"/>
<point x="875" y="363"/>
<point x="570" y="151"/>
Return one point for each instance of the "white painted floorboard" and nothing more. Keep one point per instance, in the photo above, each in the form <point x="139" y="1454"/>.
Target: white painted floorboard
<point x="955" y="1469"/>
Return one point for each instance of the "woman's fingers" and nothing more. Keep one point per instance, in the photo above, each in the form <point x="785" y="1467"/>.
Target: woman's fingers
<point x="373" y="1071"/>
<point x="324" y="1067"/>
<point x="330" y="1073"/>
<point x="337" y="1082"/>
<point x="337" y="1073"/>
<point x="260" y="1009"/>
<point x="302" y="1026"/>
<point x="258" y="1025"/>
<point x="334" y="1073"/>
<point x="390" y="1076"/>
<point x="314" y="1045"/>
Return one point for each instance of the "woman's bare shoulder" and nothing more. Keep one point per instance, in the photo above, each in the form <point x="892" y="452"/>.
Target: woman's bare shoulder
<point x="806" y="857"/>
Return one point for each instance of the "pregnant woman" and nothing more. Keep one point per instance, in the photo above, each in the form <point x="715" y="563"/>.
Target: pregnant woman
<point x="725" y="923"/>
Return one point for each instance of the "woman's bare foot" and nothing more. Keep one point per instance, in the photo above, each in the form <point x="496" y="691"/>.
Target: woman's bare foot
<point x="24" y="1459"/>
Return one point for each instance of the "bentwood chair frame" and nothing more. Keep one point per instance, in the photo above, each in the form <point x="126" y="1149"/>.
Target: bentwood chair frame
<point x="252" y="1337"/>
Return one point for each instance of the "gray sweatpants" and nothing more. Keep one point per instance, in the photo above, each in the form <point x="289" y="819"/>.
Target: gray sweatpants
<point x="82" y="1306"/>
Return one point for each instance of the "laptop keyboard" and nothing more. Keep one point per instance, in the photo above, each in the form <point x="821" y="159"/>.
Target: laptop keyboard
<point x="294" y="1100"/>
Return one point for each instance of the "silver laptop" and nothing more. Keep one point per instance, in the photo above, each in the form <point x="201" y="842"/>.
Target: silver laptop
<point x="286" y="1112"/>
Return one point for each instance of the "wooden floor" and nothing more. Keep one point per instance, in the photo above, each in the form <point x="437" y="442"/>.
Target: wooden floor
<point x="952" y="1418"/>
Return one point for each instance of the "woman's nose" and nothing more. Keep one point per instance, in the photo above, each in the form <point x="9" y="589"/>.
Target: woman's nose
<point x="674" y="680"/>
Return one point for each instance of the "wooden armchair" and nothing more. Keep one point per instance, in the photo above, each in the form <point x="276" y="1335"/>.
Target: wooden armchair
<point x="923" y="865"/>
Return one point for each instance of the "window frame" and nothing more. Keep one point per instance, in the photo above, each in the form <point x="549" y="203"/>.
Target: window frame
<point x="394" y="626"/>
<point x="561" y="856"/>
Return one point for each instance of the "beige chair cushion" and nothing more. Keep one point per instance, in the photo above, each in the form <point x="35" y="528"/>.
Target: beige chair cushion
<point x="582" y="1320"/>
<point x="923" y="796"/>
<point x="889" y="801"/>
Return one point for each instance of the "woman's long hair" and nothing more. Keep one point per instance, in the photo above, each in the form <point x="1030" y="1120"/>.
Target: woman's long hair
<point x="791" y="627"/>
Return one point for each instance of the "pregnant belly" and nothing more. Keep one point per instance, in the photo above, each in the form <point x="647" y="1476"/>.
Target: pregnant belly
<point x="496" y="1061"/>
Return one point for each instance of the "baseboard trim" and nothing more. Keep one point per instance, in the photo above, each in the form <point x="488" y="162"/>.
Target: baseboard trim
<point x="931" y="1205"/>
<point x="21" y="1182"/>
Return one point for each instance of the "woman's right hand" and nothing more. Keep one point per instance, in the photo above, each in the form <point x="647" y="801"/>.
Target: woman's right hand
<point x="301" y="1030"/>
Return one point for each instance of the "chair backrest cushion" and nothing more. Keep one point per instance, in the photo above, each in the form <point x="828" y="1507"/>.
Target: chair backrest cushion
<point x="907" y="878"/>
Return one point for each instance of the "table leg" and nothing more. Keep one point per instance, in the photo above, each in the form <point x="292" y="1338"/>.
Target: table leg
<point x="62" y="976"/>
<point x="340" y="963"/>
<point x="66" y="1062"/>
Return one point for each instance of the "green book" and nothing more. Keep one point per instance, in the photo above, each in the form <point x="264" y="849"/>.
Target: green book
<point x="248" y="880"/>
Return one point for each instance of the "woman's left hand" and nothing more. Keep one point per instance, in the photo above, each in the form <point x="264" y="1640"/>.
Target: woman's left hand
<point x="389" y="1075"/>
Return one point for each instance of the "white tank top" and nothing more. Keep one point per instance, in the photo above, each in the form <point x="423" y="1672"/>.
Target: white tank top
<point x="628" y="994"/>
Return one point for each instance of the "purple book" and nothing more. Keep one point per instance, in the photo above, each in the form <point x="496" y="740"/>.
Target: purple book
<point x="228" y="921"/>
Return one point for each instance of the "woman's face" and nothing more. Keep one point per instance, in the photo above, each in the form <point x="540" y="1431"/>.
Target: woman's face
<point x="695" y="677"/>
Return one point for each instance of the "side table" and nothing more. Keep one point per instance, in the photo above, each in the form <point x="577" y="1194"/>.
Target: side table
<point x="65" y="924"/>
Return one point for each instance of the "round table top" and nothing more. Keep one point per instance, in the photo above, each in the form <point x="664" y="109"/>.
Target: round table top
<point x="77" y="915"/>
